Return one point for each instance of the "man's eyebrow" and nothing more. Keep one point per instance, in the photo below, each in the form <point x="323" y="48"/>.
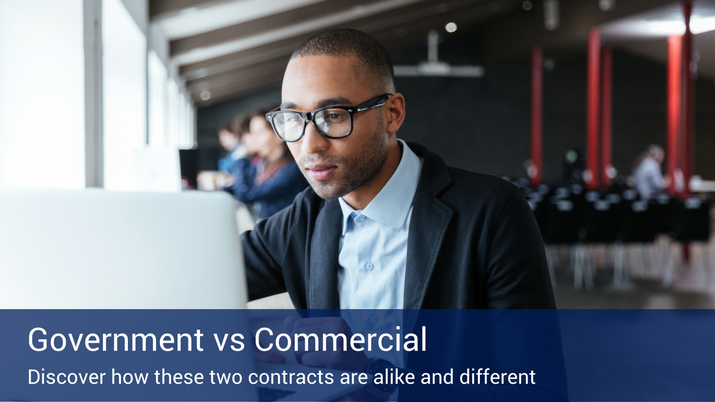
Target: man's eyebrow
<point x="333" y="101"/>
<point x="323" y="103"/>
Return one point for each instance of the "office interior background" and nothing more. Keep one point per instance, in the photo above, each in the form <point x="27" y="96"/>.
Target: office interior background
<point x="102" y="93"/>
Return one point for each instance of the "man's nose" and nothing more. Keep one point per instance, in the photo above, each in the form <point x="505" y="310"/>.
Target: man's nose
<point x="312" y="141"/>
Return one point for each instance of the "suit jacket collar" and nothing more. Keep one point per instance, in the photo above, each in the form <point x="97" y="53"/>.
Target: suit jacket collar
<point x="430" y="219"/>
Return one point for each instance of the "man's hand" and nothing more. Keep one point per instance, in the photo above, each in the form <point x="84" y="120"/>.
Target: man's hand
<point x="339" y="359"/>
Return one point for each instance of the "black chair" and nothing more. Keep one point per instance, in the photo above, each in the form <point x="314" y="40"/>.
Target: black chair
<point x="562" y="227"/>
<point x="691" y="220"/>
<point x="602" y="221"/>
<point x="638" y="230"/>
<point x="600" y="229"/>
<point x="691" y="224"/>
<point x="663" y="206"/>
<point x="562" y="223"/>
<point x="638" y="223"/>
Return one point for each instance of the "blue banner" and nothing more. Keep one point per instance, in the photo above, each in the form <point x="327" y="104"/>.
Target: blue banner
<point x="460" y="355"/>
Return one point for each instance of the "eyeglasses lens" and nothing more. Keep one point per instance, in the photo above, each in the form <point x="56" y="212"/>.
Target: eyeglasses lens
<point x="330" y="122"/>
<point x="333" y="122"/>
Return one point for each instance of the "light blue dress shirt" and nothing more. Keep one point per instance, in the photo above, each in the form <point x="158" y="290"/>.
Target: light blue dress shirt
<point x="649" y="178"/>
<point x="373" y="245"/>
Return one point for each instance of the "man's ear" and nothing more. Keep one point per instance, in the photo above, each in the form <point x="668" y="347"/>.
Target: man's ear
<point x="396" y="112"/>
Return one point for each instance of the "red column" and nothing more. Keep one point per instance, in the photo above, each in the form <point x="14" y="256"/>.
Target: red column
<point x="688" y="102"/>
<point x="606" y="116"/>
<point x="674" y="107"/>
<point x="592" y="107"/>
<point x="537" y="100"/>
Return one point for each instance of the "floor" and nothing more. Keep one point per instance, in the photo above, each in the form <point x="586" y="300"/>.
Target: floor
<point x="692" y="286"/>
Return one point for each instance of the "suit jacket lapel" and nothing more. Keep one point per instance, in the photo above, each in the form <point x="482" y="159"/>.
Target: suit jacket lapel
<point x="430" y="219"/>
<point x="323" y="291"/>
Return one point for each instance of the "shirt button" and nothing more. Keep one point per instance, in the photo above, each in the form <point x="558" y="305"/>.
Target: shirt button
<point x="361" y="218"/>
<point x="373" y="318"/>
<point x="369" y="266"/>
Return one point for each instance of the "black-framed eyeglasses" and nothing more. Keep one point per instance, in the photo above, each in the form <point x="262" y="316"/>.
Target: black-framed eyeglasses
<point x="331" y="122"/>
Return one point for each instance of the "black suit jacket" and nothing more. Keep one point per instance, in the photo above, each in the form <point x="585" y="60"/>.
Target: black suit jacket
<point x="473" y="243"/>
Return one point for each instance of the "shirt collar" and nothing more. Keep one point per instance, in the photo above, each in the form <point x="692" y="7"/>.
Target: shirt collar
<point x="390" y="206"/>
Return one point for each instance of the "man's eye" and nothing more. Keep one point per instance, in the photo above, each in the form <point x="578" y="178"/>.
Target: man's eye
<point x="292" y="120"/>
<point x="335" y="116"/>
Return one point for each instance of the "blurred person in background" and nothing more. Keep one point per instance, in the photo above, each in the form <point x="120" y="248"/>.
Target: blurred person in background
<point x="647" y="175"/>
<point x="229" y="136"/>
<point x="267" y="176"/>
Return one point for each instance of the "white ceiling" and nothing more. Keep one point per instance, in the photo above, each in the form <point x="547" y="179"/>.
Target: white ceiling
<point x="647" y="33"/>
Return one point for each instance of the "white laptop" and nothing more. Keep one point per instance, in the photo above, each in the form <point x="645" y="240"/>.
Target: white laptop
<point x="97" y="249"/>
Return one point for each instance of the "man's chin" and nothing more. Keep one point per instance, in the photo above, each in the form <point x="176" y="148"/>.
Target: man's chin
<point x="326" y="191"/>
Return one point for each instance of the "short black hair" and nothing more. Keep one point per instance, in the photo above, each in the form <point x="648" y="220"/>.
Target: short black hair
<point x="372" y="56"/>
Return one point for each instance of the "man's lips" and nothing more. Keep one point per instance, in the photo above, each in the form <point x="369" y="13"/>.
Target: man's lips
<point x="321" y="171"/>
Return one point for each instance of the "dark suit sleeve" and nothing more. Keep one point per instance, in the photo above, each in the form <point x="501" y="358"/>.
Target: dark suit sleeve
<point x="517" y="272"/>
<point x="274" y="251"/>
<point x="261" y="251"/>
<point x="265" y="249"/>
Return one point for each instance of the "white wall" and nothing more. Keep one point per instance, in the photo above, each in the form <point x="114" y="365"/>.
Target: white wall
<point x="42" y="94"/>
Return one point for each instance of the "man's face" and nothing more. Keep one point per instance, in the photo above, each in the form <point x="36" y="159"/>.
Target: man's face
<point x="659" y="157"/>
<point x="335" y="167"/>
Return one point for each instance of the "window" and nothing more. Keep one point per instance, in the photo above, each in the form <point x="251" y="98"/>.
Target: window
<point x="157" y="100"/>
<point x="124" y="95"/>
<point x="42" y="94"/>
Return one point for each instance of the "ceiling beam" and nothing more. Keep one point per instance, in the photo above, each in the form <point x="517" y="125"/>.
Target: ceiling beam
<point x="396" y="19"/>
<point x="234" y="76"/>
<point x="393" y="29"/>
<point x="228" y="92"/>
<point x="303" y="29"/>
<point x="237" y="60"/>
<point x="160" y="9"/>
<point x="260" y="25"/>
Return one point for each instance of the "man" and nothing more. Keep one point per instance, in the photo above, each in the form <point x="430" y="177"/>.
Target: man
<point x="647" y="175"/>
<point x="385" y="224"/>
